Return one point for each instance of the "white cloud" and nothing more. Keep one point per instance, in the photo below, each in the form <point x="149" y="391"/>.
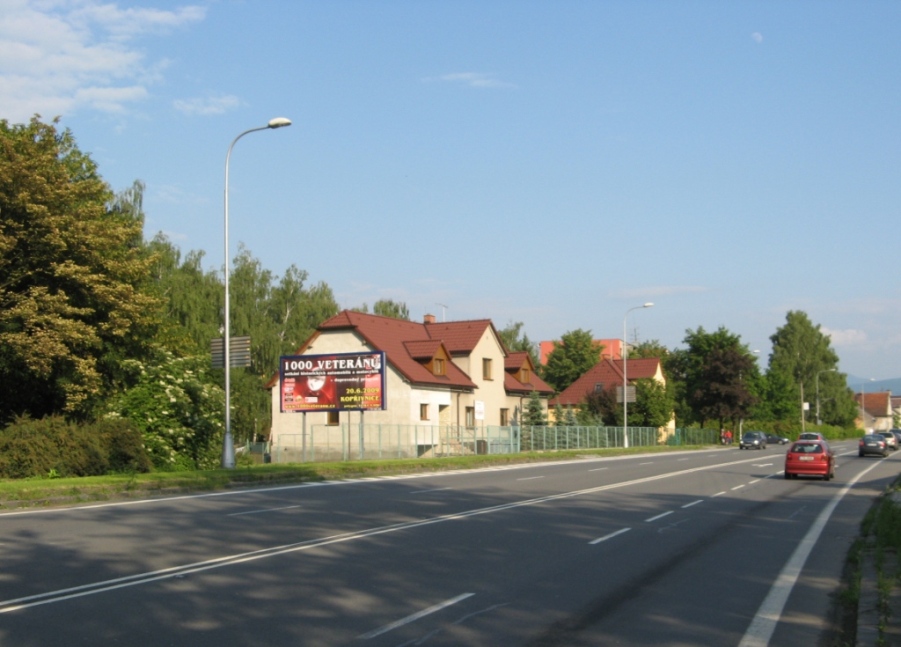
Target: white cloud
<point x="207" y="105"/>
<point x="473" y="80"/>
<point x="849" y="337"/>
<point x="757" y="37"/>
<point x="60" y="56"/>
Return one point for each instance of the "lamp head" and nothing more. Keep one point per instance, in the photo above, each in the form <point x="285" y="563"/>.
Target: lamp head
<point x="279" y="122"/>
<point x="648" y="305"/>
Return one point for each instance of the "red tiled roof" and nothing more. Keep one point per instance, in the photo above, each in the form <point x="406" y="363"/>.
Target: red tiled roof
<point x="459" y="337"/>
<point x="639" y="369"/>
<point x="396" y="337"/>
<point x="607" y="373"/>
<point x="876" y="404"/>
<point x="512" y="365"/>
<point x="424" y="349"/>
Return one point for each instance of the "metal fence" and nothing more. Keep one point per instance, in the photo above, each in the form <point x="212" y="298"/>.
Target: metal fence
<point x="557" y="438"/>
<point x="373" y="442"/>
<point x="349" y="442"/>
<point x="694" y="436"/>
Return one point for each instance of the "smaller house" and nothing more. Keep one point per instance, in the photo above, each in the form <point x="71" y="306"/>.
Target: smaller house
<point x="608" y="375"/>
<point x="876" y="410"/>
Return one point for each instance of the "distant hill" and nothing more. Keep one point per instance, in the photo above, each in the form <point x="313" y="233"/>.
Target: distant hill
<point x="893" y="385"/>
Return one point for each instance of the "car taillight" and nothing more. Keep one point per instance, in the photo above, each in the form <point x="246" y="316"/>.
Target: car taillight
<point x="861" y="442"/>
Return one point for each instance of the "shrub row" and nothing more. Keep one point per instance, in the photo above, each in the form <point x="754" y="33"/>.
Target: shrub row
<point x="55" y="447"/>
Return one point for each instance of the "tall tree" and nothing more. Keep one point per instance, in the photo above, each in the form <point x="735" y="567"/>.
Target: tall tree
<point x="714" y="377"/>
<point x="387" y="308"/>
<point x="653" y="404"/>
<point x="801" y="351"/>
<point x="73" y="276"/>
<point x="575" y="353"/>
<point x="516" y="340"/>
<point x="391" y="308"/>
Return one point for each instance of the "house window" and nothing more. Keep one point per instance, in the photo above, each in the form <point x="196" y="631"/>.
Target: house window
<point x="505" y="417"/>
<point x="470" y="417"/>
<point x="332" y="418"/>
<point x="598" y="387"/>
<point x="486" y="368"/>
<point x="438" y="367"/>
<point x="423" y="412"/>
<point x="526" y="376"/>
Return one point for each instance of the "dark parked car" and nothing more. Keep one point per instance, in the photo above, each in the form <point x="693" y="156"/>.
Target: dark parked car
<point x="755" y="439"/>
<point x="872" y="444"/>
<point x="810" y="458"/>
<point x="776" y="439"/>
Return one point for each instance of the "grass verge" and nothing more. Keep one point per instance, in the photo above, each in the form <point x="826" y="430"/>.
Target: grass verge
<point x="69" y="491"/>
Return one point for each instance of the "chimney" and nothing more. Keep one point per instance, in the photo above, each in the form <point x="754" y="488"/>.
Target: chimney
<point x="429" y="319"/>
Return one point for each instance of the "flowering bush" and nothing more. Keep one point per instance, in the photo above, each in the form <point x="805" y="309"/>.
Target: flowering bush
<point x="179" y="409"/>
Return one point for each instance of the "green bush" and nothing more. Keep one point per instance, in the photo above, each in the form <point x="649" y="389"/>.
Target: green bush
<point x="123" y="444"/>
<point x="54" y="447"/>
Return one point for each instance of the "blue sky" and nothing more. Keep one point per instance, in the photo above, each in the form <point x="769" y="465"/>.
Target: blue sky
<point x="550" y="163"/>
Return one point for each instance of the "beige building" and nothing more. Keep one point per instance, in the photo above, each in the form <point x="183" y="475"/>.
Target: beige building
<point x="451" y="385"/>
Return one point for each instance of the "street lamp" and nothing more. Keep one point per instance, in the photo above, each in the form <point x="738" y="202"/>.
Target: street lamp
<point x="625" y="380"/>
<point x="825" y="370"/>
<point x="228" y="446"/>
<point x="863" y="406"/>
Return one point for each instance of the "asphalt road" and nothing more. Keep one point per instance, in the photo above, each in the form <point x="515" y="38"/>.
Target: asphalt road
<point x="699" y="548"/>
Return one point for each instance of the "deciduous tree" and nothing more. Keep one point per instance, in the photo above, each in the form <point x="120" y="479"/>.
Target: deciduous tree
<point x="73" y="273"/>
<point x="573" y="355"/>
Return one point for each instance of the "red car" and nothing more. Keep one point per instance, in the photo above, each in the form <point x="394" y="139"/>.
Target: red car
<point x="810" y="458"/>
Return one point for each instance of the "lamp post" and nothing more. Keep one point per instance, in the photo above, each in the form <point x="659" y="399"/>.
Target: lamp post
<point x="228" y="445"/>
<point x="625" y="379"/>
<point x="825" y="370"/>
<point x="741" y="419"/>
<point x="863" y="406"/>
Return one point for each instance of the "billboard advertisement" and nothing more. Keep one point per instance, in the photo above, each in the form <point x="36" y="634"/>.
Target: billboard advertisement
<point x="337" y="382"/>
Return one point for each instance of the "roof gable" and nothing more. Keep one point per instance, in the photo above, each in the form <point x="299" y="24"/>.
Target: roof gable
<point x="520" y="377"/>
<point x="606" y="374"/>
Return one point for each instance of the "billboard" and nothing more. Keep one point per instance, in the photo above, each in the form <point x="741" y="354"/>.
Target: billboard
<point x="337" y="382"/>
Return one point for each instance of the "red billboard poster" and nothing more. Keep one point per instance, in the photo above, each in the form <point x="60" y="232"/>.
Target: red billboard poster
<point x="338" y="382"/>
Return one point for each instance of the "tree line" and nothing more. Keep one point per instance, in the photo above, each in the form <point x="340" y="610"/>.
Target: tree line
<point x="99" y="324"/>
<point x="715" y="380"/>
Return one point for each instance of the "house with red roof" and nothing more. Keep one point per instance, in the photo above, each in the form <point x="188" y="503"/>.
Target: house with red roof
<point x="876" y="410"/>
<point x="456" y="374"/>
<point x="607" y="375"/>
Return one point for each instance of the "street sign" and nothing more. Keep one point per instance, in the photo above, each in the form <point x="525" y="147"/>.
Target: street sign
<point x="630" y="394"/>
<point x="239" y="352"/>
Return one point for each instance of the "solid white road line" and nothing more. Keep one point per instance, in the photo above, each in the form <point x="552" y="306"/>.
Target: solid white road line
<point x="610" y="536"/>
<point x="415" y="616"/>
<point x="763" y="625"/>
<point x="659" y="516"/>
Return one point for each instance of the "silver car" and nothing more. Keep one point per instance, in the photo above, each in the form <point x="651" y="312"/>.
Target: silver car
<point x="891" y="441"/>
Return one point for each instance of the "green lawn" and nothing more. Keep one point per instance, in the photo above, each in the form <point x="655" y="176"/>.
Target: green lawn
<point x="68" y="491"/>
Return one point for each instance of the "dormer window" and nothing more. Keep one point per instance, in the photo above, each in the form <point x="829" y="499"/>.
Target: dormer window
<point x="525" y="375"/>
<point x="438" y="366"/>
